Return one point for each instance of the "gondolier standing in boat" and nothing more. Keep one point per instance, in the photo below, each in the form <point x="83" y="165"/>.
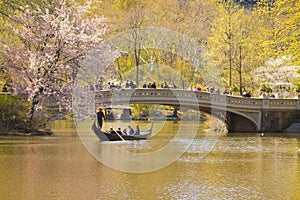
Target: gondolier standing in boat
<point x="100" y="116"/>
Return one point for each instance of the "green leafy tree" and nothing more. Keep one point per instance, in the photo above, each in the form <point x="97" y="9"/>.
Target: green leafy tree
<point x="223" y="44"/>
<point x="192" y="18"/>
<point x="234" y="45"/>
<point x="282" y="34"/>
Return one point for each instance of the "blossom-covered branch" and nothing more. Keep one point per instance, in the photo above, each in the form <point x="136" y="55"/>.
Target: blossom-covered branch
<point x="53" y="37"/>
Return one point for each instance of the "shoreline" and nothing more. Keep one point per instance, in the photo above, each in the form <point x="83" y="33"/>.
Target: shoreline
<point x="33" y="133"/>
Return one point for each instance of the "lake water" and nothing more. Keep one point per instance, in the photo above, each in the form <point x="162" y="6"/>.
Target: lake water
<point x="66" y="166"/>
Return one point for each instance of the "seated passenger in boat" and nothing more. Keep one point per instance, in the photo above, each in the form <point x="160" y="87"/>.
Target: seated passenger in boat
<point x="112" y="131"/>
<point x="137" y="131"/>
<point x="131" y="131"/>
<point x="124" y="131"/>
<point x="119" y="131"/>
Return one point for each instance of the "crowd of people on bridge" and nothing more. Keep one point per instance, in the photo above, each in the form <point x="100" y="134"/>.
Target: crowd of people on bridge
<point x="129" y="84"/>
<point x="271" y="96"/>
<point x="110" y="86"/>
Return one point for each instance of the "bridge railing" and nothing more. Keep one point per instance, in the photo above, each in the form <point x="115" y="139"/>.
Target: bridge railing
<point x="187" y="97"/>
<point x="281" y="103"/>
<point x="171" y="96"/>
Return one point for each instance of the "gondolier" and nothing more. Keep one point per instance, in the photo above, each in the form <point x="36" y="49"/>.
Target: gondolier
<point x="100" y="116"/>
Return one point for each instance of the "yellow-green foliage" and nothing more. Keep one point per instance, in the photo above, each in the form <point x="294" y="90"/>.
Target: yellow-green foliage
<point x="281" y="28"/>
<point x="237" y="39"/>
<point x="13" y="113"/>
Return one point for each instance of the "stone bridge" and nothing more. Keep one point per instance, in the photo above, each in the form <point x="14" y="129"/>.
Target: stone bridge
<point x="239" y="114"/>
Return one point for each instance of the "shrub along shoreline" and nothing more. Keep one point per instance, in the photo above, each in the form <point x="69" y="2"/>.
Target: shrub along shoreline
<point x="13" y="118"/>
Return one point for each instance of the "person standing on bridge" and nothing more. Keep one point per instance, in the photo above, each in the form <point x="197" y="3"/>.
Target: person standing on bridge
<point x="100" y="116"/>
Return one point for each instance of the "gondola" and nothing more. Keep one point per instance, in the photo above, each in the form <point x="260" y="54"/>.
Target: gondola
<point x="105" y="136"/>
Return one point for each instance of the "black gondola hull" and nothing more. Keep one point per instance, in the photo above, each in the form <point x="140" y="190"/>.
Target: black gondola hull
<point x="103" y="136"/>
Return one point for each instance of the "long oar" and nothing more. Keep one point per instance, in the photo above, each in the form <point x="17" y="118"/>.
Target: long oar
<point x="120" y="136"/>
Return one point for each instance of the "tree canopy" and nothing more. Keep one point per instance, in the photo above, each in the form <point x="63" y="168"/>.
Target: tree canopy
<point x="51" y="38"/>
<point x="42" y="42"/>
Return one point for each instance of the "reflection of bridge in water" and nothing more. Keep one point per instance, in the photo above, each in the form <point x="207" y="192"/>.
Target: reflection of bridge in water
<point x="241" y="114"/>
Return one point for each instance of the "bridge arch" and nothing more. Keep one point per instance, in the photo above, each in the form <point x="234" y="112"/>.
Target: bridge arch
<point x="240" y="122"/>
<point x="234" y="121"/>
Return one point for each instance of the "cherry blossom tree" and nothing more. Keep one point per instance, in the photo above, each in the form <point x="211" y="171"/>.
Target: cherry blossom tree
<point x="53" y="38"/>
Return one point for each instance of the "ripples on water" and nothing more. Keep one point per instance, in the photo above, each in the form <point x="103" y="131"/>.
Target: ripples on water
<point x="59" y="167"/>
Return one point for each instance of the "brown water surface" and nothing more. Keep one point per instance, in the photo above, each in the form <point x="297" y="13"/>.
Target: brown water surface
<point x="60" y="167"/>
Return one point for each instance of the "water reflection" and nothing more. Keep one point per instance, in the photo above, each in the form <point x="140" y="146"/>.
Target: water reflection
<point x="60" y="167"/>
<point x="164" y="148"/>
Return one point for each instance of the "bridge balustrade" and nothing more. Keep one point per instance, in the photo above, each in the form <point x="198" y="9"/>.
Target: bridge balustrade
<point x="192" y="97"/>
<point x="283" y="102"/>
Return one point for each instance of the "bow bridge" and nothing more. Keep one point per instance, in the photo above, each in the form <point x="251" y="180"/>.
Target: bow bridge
<point x="239" y="114"/>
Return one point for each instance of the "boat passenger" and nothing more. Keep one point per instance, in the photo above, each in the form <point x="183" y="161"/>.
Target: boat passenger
<point x="131" y="131"/>
<point x="119" y="131"/>
<point x="124" y="131"/>
<point x="138" y="131"/>
<point x="112" y="131"/>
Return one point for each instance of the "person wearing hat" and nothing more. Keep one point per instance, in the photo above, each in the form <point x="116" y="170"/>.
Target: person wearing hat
<point x="100" y="117"/>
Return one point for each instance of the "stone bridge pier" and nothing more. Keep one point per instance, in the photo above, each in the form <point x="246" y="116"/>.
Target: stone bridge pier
<point x="270" y="122"/>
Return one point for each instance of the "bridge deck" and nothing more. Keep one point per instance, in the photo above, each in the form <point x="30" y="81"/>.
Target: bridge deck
<point x="186" y="97"/>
